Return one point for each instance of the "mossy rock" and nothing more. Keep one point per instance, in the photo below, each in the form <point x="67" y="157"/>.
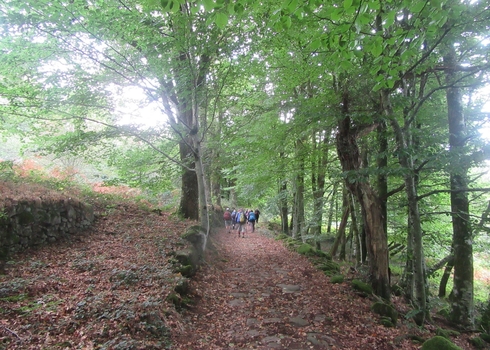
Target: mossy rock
<point x="485" y="337"/>
<point x="385" y="310"/>
<point x="329" y="266"/>
<point x="291" y="243"/>
<point x="193" y="234"/>
<point x="362" y="287"/>
<point x="281" y="237"/>
<point x="184" y="257"/>
<point x="187" y="271"/>
<point x="323" y="254"/>
<point x="182" y="287"/>
<point x="439" y="343"/>
<point x="477" y="342"/>
<point x="386" y="321"/>
<point x="175" y="299"/>
<point x="306" y="249"/>
<point x="337" y="279"/>
<point x="446" y="333"/>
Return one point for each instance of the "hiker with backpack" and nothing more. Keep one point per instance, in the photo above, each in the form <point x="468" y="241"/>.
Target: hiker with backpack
<point x="233" y="218"/>
<point x="227" y="218"/>
<point x="241" y="221"/>
<point x="257" y="213"/>
<point x="251" y="219"/>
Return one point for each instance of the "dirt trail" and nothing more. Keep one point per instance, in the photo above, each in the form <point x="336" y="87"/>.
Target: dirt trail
<point x="253" y="293"/>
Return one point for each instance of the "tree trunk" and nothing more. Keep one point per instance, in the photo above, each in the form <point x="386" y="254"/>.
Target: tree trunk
<point x="356" y="234"/>
<point x="343" y="223"/>
<point x="462" y="294"/>
<point x="318" y="172"/>
<point x="298" y="220"/>
<point x="233" y="195"/>
<point x="382" y="180"/>
<point x="283" y="207"/>
<point x="358" y="185"/>
<point x="414" y="224"/>
<point x="331" y="207"/>
<point x="189" y="198"/>
<point x="445" y="277"/>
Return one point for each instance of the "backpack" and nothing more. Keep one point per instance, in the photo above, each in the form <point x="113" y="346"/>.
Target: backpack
<point x="233" y="215"/>
<point x="242" y="218"/>
<point x="251" y="216"/>
<point x="227" y="215"/>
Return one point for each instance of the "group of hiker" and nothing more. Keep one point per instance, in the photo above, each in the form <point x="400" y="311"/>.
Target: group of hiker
<point x="240" y="219"/>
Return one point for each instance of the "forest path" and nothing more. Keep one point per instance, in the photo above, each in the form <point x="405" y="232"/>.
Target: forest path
<point x="253" y="293"/>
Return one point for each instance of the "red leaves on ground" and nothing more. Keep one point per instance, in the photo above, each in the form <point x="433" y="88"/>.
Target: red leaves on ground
<point x="107" y="289"/>
<point x="253" y="293"/>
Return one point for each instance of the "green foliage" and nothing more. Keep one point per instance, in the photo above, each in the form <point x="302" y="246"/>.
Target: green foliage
<point x="477" y="342"/>
<point x="271" y="101"/>
<point x="485" y="337"/>
<point x="7" y="170"/>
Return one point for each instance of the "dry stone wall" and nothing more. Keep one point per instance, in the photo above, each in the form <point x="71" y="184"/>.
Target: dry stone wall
<point x="31" y="223"/>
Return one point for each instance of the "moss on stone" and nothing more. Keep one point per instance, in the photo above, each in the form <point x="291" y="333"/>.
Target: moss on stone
<point x="386" y="321"/>
<point x="330" y="268"/>
<point x="385" y="310"/>
<point x="323" y="254"/>
<point x="362" y="287"/>
<point x="292" y="243"/>
<point x="439" y="343"/>
<point x="187" y="271"/>
<point x="193" y="234"/>
<point x="184" y="257"/>
<point x="446" y="333"/>
<point x="182" y="286"/>
<point x="281" y="237"/>
<point x="174" y="298"/>
<point x="306" y="249"/>
<point x="337" y="279"/>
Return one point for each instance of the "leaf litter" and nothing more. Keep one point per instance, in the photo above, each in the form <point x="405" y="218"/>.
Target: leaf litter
<point x="108" y="289"/>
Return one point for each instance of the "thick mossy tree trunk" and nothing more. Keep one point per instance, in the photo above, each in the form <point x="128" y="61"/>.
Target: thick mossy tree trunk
<point x="371" y="210"/>
<point x="462" y="302"/>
